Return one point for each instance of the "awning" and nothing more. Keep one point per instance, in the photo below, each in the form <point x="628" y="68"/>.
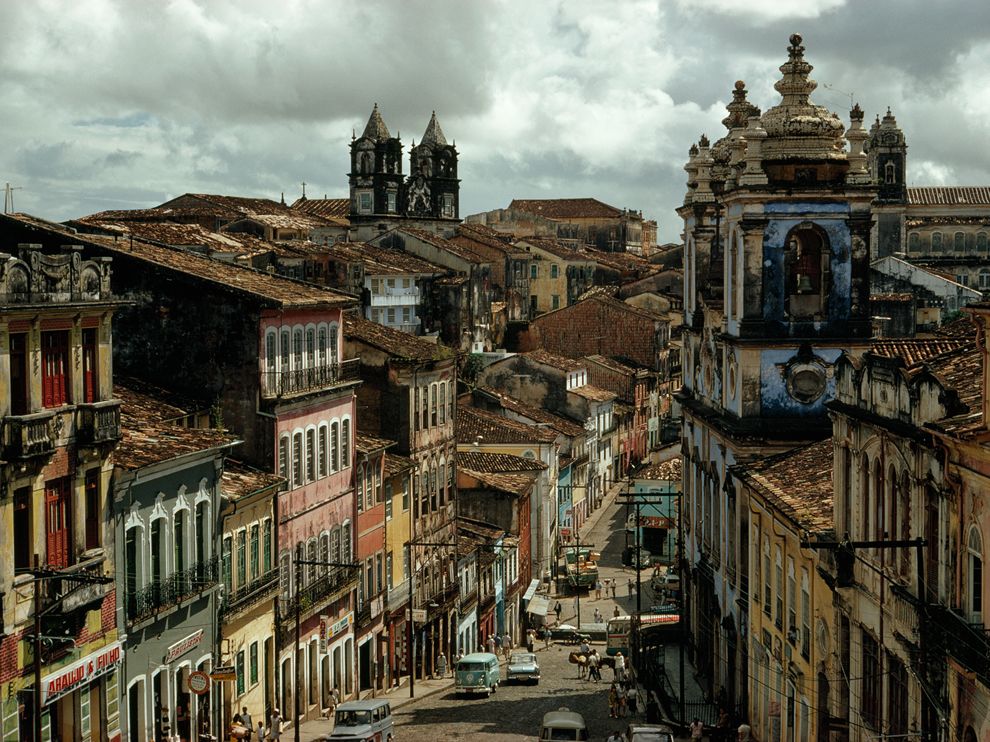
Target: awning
<point x="538" y="605"/>
<point x="531" y="590"/>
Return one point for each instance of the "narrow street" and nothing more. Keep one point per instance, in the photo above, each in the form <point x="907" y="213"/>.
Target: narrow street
<point x="515" y="711"/>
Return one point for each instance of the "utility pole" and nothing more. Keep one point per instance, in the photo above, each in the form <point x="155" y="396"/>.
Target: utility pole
<point x="295" y="648"/>
<point x="577" y="591"/>
<point x="410" y="651"/>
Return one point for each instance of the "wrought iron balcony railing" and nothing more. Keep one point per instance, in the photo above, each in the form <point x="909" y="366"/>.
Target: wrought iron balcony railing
<point x="161" y="595"/>
<point x="29" y="436"/>
<point x="300" y="381"/>
<point x="250" y="594"/>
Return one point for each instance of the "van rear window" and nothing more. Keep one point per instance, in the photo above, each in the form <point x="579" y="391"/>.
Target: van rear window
<point x="471" y="667"/>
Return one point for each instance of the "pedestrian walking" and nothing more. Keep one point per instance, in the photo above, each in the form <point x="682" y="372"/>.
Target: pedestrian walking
<point x="275" y="726"/>
<point x="530" y="640"/>
<point x="620" y="667"/>
<point x="247" y="722"/>
<point x="631" y="699"/>
<point x="546" y="637"/>
<point x="598" y="589"/>
<point x="506" y="644"/>
<point x="616" y="612"/>
<point x="613" y="702"/>
<point x="594" y="669"/>
<point x="491" y="644"/>
<point x="629" y="587"/>
<point x="614" y="581"/>
<point x="557" y="609"/>
<point x="598" y="615"/>
<point x="498" y="645"/>
<point x="442" y="665"/>
<point x="697" y="728"/>
<point x="622" y="702"/>
<point x="261" y="731"/>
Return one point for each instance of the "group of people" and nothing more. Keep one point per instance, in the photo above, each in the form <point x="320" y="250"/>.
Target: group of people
<point x="607" y="586"/>
<point x="622" y="698"/>
<point x="499" y="644"/>
<point x="242" y="727"/>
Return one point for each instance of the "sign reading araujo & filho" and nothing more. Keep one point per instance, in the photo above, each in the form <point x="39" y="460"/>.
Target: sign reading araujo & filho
<point x="340" y="626"/>
<point x="181" y="647"/>
<point x="82" y="671"/>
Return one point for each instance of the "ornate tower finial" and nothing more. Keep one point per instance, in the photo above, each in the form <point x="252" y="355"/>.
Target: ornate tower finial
<point x="856" y="114"/>
<point x="739" y="109"/>
<point x="795" y="86"/>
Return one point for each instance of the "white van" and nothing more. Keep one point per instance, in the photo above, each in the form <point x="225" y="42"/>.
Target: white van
<point x="563" y="724"/>
<point x="359" y="721"/>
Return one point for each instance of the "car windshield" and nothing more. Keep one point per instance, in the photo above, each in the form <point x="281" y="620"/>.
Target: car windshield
<point x="651" y="737"/>
<point x="353" y="718"/>
<point x="470" y="667"/>
<point x="523" y="658"/>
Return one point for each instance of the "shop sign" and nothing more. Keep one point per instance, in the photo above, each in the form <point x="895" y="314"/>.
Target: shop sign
<point x="198" y="682"/>
<point x="656" y="521"/>
<point x="80" y="672"/>
<point x="324" y="620"/>
<point x="225" y="673"/>
<point x="565" y="534"/>
<point x="419" y="615"/>
<point x="340" y="627"/>
<point x="180" y="648"/>
<point x="377" y="606"/>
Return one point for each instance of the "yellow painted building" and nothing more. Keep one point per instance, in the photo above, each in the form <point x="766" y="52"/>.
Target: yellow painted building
<point x="790" y="604"/>
<point x="398" y="527"/>
<point x="247" y="613"/>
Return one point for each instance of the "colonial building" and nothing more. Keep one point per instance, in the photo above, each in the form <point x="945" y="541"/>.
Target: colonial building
<point x="60" y="422"/>
<point x="776" y="285"/>
<point x="558" y="274"/>
<point x="381" y="197"/>
<point x="408" y="393"/>
<point x="166" y="503"/>
<point x="510" y="267"/>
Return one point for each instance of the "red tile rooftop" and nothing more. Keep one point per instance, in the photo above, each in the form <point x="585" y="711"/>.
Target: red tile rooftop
<point x="565" y="208"/>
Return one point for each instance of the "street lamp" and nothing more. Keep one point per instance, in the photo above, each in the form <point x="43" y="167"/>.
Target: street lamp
<point x="295" y="649"/>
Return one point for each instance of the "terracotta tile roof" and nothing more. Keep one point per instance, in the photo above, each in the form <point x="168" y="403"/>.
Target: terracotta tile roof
<point x="565" y="208"/>
<point x="398" y="344"/>
<point x="553" y="360"/>
<point x="958" y="328"/>
<point x="270" y="288"/>
<point x="395" y="464"/>
<point x="286" y="220"/>
<point x="474" y="533"/>
<point x="240" y="480"/>
<point x="962" y="371"/>
<point x="493" y="463"/>
<point x="148" y="439"/>
<point x="665" y="471"/>
<point x="241" y="204"/>
<point x="562" y="425"/>
<point x="381" y="261"/>
<point x="514" y="484"/>
<point x="484" y="234"/>
<point x="623" y="261"/>
<point x="439" y="242"/>
<point x="949" y="196"/>
<point x="612" y="364"/>
<point x="368" y="443"/>
<point x="177" y="234"/>
<point x="915" y="350"/>
<point x="594" y="393"/>
<point x="556" y="248"/>
<point x="472" y="423"/>
<point x="599" y="291"/>
<point x="334" y="208"/>
<point x="159" y="403"/>
<point x="797" y="483"/>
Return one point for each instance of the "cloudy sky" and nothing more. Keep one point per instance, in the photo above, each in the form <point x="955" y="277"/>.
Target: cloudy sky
<point x="127" y="103"/>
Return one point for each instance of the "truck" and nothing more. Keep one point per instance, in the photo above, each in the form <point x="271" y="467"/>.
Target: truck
<point x="581" y="567"/>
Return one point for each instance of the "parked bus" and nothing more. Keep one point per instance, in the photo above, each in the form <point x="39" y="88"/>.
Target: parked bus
<point x="655" y="627"/>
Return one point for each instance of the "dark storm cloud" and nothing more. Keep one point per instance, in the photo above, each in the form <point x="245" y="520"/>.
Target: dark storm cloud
<point x="118" y="104"/>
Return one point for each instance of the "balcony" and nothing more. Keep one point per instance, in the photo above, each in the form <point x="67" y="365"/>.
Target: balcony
<point x="305" y="380"/>
<point x="250" y="594"/>
<point x="968" y="644"/>
<point x="98" y="422"/>
<point x="29" y="436"/>
<point x="327" y="588"/>
<point x="164" y="595"/>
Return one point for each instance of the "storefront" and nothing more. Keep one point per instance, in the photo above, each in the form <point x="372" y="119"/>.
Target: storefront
<point x="75" y="698"/>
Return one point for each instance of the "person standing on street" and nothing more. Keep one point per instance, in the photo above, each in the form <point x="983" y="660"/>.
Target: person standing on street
<point x="631" y="699"/>
<point x="620" y="667"/>
<point x="614" y="581"/>
<point x="697" y="728"/>
<point x="442" y="665"/>
<point x="506" y="644"/>
<point x="629" y="587"/>
<point x="546" y="636"/>
<point x="261" y="732"/>
<point x="275" y="726"/>
<point x="246" y="722"/>
<point x="498" y="645"/>
<point x="598" y="589"/>
<point x="594" y="671"/>
<point x="616" y="612"/>
<point x="613" y="702"/>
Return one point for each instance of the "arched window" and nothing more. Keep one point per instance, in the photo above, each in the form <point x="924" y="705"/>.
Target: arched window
<point x="878" y="494"/>
<point x="311" y="556"/>
<point x="893" y="521"/>
<point x="284" y="351"/>
<point x="889" y="173"/>
<point x="442" y="483"/>
<point x="284" y="574"/>
<point x="271" y="352"/>
<point x="936" y="242"/>
<point x="321" y="345"/>
<point x="283" y="457"/>
<point x="310" y="455"/>
<point x="905" y="525"/>
<point x="864" y="499"/>
<point x="297" y="459"/>
<point x="981" y="241"/>
<point x="807" y="272"/>
<point x="321" y="449"/>
<point x="325" y="552"/>
<point x="914" y="242"/>
<point x="975" y="547"/>
<point x="310" y="348"/>
<point x="335" y="545"/>
<point x="443" y="402"/>
<point x="984" y="279"/>
<point x="334" y="446"/>
<point x="959" y="242"/>
<point x="345" y="443"/>
<point x="297" y="349"/>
